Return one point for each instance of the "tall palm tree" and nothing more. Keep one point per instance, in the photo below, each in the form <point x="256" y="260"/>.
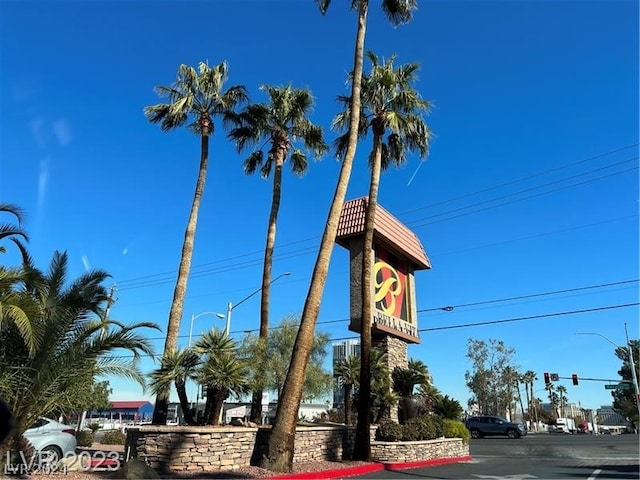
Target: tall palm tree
<point x="389" y="105"/>
<point x="553" y="397"/>
<point x="348" y="371"/>
<point x="281" y="122"/>
<point x="528" y="378"/>
<point x="37" y="380"/>
<point x="562" y="398"/>
<point x="223" y="372"/>
<point x="196" y="97"/>
<point x="176" y="367"/>
<point x="279" y="456"/>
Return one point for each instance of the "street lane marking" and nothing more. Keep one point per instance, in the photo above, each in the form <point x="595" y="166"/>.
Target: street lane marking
<point x="594" y="475"/>
<point x="506" y="477"/>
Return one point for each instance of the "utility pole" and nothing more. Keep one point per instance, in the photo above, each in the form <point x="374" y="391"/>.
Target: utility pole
<point x="634" y="376"/>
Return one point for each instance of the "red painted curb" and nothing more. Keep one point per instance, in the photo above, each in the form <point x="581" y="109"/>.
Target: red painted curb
<point x="104" y="462"/>
<point x="337" y="473"/>
<point x="425" y="463"/>
<point x="374" y="467"/>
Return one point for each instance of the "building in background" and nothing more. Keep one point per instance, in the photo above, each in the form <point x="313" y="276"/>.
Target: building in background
<point x="609" y="419"/>
<point x="342" y="350"/>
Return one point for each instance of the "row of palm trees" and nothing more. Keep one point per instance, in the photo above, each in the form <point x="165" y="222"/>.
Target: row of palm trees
<point x="383" y="101"/>
<point x="226" y="368"/>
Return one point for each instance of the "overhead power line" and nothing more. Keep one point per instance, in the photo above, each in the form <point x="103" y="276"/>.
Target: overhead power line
<point x="533" y="295"/>
<point x="530" y="317"/>
<point x="462" y="305"/>
<point x="197" y="271"/>
<point x="451" y="327"/>
<point x="522" y="179"/>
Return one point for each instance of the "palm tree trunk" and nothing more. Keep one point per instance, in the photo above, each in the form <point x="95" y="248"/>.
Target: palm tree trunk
<point x="520" y="399"/>
<point x="216" y="410"/>
<point x="175" y="314"/>
<point x="362" y="450"/>
<point x="208" y="405"/>
<point x="184" y="402"/>
<point x="279" y="456"/>
<point x="347" y="404"/>
<point x="256" y="400"/>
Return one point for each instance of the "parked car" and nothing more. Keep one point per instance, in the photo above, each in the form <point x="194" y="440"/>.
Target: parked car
<point x="52" y="439"/>
<point x="489" y="425"/>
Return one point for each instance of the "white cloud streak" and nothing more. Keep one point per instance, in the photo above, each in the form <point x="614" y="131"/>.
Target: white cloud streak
<point x="62" y="132"/>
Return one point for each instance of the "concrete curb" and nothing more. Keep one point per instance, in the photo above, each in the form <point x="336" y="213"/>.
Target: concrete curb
<point x="370" y="468"/>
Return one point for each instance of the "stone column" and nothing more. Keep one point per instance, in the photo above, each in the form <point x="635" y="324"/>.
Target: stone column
<point x="396" y="350"/>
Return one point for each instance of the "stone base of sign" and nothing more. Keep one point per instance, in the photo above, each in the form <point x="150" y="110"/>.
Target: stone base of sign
<point x="208" y="449"/>
<point x="396" y="350"/>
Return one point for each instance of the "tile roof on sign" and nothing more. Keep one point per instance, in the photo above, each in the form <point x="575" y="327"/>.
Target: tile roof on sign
<point x="388" y="229"/>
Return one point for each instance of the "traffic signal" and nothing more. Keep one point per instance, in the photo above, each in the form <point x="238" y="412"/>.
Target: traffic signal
<point x="574" y="377"/>
<point x="547" y="381"/>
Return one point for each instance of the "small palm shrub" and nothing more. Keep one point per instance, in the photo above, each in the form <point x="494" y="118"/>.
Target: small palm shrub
<point x="456" y="429"/>
<point x="113" y="437"/>
<point x="389" y="431"/>
<point x="448" y="407"/>
<point x="84" y="438"/>
<point x="94" y="426"/>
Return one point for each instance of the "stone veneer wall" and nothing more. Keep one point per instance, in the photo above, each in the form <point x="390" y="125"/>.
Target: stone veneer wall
<point x="396" y="351"/>
<point x="407" y="452"/>
<point x="207" y="449"/>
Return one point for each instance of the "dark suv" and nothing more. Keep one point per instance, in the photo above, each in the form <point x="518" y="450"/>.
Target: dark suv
<point x="488" y="425"/>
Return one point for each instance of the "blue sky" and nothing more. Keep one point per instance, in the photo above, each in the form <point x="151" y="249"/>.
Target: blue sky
<point x="531" y="185"/>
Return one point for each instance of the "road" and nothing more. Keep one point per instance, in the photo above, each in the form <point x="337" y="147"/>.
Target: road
<point x="544" y="456"/>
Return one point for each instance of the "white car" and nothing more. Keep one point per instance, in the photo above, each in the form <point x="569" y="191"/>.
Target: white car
<point x="52" y="439"/>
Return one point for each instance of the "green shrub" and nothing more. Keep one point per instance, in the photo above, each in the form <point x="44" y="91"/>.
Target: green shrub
<point x="84" y="438"/>
<point x="113" y="437"/>
<point x="456" y="429"/>
<point x="94" y="426"/>
<point x="389" y="431"/>
<point x="417" y="428"/>
<point x="431" y="427"/>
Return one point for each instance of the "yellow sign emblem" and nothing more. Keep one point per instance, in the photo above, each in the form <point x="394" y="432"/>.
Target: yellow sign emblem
<point x="388" y="287"/>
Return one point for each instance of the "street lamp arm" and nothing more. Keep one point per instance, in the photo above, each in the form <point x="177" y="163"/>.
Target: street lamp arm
<point x="600" y="335"/>
<point x="231" y="306"/>
<point x="258" y="290"/>
<point x="219" y="315"/>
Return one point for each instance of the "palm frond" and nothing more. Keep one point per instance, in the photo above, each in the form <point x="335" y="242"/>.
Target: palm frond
<point x="399" y="11"/>
<point x="253" y="162"/>
<point x="298" y="162"/>
<point x="323" y="5"/>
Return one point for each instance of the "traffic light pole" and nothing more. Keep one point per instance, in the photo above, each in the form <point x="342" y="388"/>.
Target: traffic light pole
<point x="634" y="376"/>
<point x="595" y="379"/>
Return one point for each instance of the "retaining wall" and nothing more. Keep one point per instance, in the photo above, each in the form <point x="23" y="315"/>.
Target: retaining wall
<point x="207" y="449"/>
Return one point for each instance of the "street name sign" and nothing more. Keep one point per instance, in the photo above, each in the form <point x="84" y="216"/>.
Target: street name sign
<point x="618" y="386"/>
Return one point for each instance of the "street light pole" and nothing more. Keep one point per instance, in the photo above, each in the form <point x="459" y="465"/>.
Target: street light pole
<point x="193" y="317"/>
<point x="634" y="377"/>
<point x="231" y="306"/>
